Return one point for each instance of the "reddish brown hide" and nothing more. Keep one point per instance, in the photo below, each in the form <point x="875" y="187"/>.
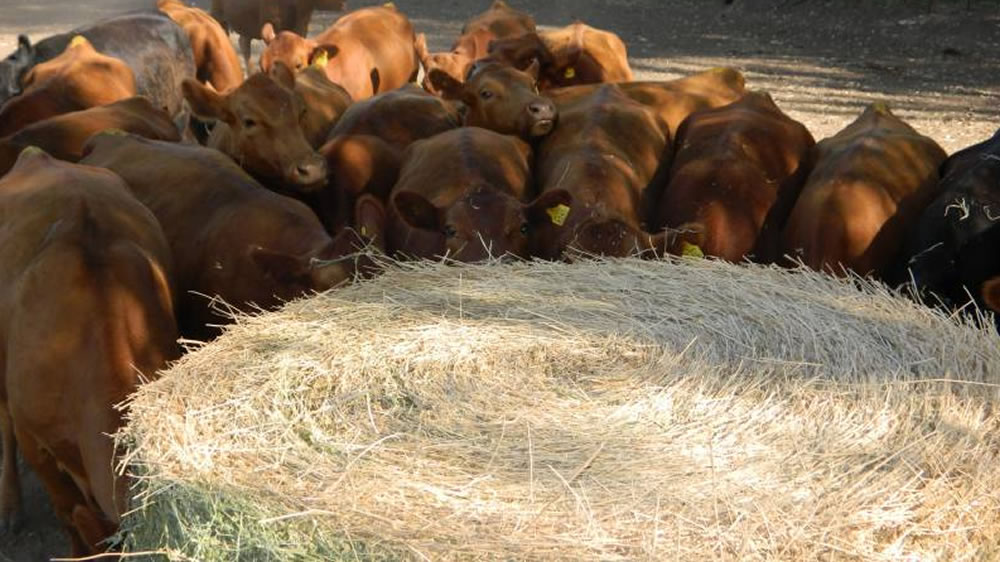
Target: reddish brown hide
<point x="464" y="194"/>
<point x="672" y="100"/>
<point x="502" y="99"/>
<point x="500" y="21"/>
<point x="600" y="159"/>
<point x="575" y="54"/>
<point x="259" y="127"/>
<point x="248" y="17"/>
<point x="232" y="238"/>
<point x="736" y="174"/>
<point x="77" y="79"/>
<point x="367" y="144"/>
<point x="369" y="51"/>
<point x="87" y="310"/>
<point x="991" y="294"/>
<point x="214" y="55"/>
<point x="324" y="103"/>
<point x="869" y="185"/>
<point x="64" y="136"/>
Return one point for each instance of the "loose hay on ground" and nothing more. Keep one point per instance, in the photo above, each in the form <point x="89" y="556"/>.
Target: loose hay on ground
<point x="615" y="409"/>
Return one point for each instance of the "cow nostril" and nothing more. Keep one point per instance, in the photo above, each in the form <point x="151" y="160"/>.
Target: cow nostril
<point x="541" y="110"/>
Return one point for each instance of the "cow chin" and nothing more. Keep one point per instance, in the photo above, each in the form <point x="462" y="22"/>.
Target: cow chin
<point x="542" y="127"/>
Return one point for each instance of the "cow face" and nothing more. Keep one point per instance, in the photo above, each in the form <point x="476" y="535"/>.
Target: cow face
<point x="501" y="98"/>
<point x="293" y="50"/>
<point x="264" y="115"/>
<point x="454" y="64"/>
<point x="482" y="224"/>
<point x="14" y="66"/>
<point x="348" y="255"/>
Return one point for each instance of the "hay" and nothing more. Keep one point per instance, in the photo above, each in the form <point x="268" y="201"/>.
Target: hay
<point x="600" y="410"/>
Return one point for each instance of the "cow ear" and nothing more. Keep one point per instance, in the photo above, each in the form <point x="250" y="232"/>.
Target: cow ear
<point x="283" y="268"/>
<point x="534" y="69"/>
<point x="369" y="219"/>
<point x="283" y="75"/>
<point x="25" y="52"/>
<point x="206" y="102"/>
<point x="991" y="293"/>
<point x="686" y="240"/>
<point x="552" y="207"/>
<point x="450" y="88"/>
<point x="420" y="45"/>
<point x="417" y="211"/>
<point x="321" y="54"/>
<point x="267" y="33"/>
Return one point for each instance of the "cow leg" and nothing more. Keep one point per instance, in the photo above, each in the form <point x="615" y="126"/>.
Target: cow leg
<point x="63" y="492"/>
<point x="245" y="49"/>
<point x="10" y="485"/>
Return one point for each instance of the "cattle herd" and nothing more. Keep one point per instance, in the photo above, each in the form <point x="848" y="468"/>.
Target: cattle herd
<point x="142" y="177"/>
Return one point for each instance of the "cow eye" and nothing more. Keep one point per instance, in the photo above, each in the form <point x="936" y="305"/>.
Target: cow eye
<point x="450" y="231"/>
<point x="249" y="123"/>
<point x="486" y="94"/>
<point x="525" y="227"/>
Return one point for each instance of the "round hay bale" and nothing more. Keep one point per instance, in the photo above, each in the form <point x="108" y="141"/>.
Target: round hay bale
<point x="617" y="409"/>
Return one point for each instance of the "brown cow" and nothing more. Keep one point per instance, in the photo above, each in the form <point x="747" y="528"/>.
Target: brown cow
<point x="501" y="98"/>
<point x="672" y="100"/>
<point x="369" y="51"/>
<point x="601" y="158"/>
<point x="464" y="193"/>
<point x="324" y="103"/>
<point x="214" y="55"/>
<point x="869" y="185"/>
<point x="231" y="237"/>
<point x="248" y="17"/>
<point x="259" y="127"/>
<point x="87" y="312"/>
<point x="575" y="54"/>
<point x="64" y="136"/>
<point x="991" y="294"/>
<point x="735" y="176"/>
<point x="77" y="79"/>
<point x="500" y="21"/>
<point x="366" y="146"/>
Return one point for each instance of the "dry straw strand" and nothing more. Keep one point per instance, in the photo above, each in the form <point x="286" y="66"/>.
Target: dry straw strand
<point x="604" y="409"/>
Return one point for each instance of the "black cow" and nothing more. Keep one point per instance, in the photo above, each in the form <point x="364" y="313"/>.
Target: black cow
<point x="954" y="248"/>
<point x="151" y="44"/>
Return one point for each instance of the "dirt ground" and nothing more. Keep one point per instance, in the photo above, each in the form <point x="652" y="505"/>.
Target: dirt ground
<point x="936" y="62"/>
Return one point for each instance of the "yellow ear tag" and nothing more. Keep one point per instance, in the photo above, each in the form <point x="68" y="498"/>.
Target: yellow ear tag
<point x="558" y="214"/>
<point x="570" y="73"/>
<point x="78" y="40"/>
<point x="364" y="231"/>
<point x="321" y="59"/>
<point x="691" y="251"/>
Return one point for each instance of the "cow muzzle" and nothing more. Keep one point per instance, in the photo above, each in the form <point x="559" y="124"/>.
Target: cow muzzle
<point x="308" y="175"/>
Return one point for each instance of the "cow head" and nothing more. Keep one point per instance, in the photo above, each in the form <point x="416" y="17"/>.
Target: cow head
<point x="482" y="224"/>
<point x="290" y="48"/>
<point x="14" y="66"/>
<point x="520" y="51"/>
<point x="454" y="64"/>
<point x="264" y="115"/>
<point x="339" y="262"/>
<point x="501" y="98"/>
